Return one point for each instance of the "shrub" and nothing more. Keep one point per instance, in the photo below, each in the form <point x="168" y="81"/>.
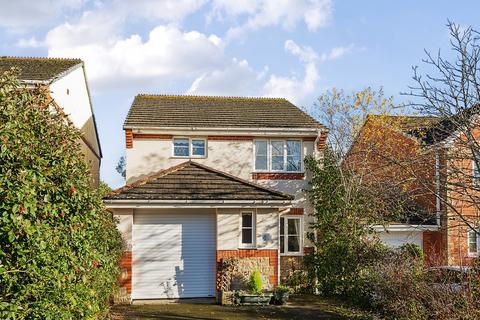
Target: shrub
<point x="59" y="247"/>
<point x="411" y="250"/>
<point x="256" y="284"/>
<point x="402" y="288"/>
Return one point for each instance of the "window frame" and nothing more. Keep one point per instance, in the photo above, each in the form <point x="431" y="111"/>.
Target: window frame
<point x="475" y="174"/>
<point x="477" y="238"/>
<point x="253" y="244"/>
<point x="285" y="235"/>
<point x="285" y="155"/>
<point x="190" y="147"/>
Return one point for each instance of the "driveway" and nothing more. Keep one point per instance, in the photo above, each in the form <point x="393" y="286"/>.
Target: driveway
<point x="300" y="307"/>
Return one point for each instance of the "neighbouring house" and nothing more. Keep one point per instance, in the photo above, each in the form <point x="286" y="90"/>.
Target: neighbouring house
<point x="420" y="154"/>
<point x="212" y="181"/>
<point x="67" y="83"/>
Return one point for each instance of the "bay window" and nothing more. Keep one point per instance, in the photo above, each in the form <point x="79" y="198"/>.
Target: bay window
<point x="278" y="155"/>
<point x="290" y="235"/>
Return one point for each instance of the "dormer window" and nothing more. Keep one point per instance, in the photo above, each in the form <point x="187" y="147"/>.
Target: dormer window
<point x="189" y="147"/>
<point x="278" y="155"/>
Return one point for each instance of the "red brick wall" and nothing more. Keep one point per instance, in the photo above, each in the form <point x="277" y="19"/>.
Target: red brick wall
<point x="126" y="268"/>
<point x="296" y="211"/>
<point x="434" y="248"/>
<point x="252" y="253"/>
<point x="129" y="138"/>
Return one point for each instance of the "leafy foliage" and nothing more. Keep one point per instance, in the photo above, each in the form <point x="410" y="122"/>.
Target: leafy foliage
<point x="341" y="235"/>
<point x="59" y="247"/>
<point x="255" y="283"/>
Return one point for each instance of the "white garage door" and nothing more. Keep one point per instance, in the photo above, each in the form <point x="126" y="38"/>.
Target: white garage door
<point x="173" y="255"/>
<point x="396" y="239"/>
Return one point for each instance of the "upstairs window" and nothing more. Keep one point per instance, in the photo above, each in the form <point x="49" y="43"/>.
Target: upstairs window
<point x="247" y="225"/>
<point x="189" y="147"/>
<point x="473" y="243"/>
<point x="278" y="155"/>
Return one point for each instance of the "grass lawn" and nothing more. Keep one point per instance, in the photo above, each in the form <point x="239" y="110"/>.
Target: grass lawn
<point x="302" y="307"/>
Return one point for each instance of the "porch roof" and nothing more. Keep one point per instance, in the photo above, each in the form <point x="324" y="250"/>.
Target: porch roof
<point x="191" y="181"/>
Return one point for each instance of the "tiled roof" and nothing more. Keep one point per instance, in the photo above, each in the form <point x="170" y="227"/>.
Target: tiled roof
<point x="38" y="69"/>
<point x="216" y="112"/>
<point x="193" y="181"/>
<point x="419" y="127"/>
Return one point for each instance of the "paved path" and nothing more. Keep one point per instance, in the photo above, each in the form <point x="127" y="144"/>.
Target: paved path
<point x="301" y="307"/>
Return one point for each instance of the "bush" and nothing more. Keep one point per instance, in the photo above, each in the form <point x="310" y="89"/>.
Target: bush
<point x="402" y="288"/>
<point x="255" y="283"/>
<point x="59" y="247"/>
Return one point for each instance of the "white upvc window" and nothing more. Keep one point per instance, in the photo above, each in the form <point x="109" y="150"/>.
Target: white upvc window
<point x="473" y="243"/>
<point x="291" y="235"/>
<point x="247" y="229"/>
<point x="278" y="155"/>
<point x="183" y="147"/>
<point x="475" y="173"/>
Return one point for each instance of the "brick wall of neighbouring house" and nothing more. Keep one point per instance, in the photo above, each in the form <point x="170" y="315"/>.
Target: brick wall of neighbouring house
<point x="126" y="272"/>
<point x="457" y="241"/>
<point x="247" y="253"/>
<point x="434" y="248"/>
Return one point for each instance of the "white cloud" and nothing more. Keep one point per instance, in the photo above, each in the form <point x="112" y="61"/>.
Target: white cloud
<point x="337" y="52"/>
<point x="168" y="52"/>
<point x="305" y="54"/>
<point x="256" y="14"/>
<point x="26" y="13"/>
<point x="31" y="42"/>
<point x="236" y="79"/>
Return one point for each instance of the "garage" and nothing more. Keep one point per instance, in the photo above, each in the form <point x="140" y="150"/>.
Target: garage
<point x="173" y="253"/>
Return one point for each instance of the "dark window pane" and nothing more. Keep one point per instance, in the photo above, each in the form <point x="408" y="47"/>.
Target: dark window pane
<point x="247" y="236"/>
<point x="472" y="242"/>
<point x="180" y="147"/>
<point x="261" y="162"/>
<point x="282" y="244"/>
<point x="293" y="163"/>
<point x="282" y="225"/>
<point x="198" y="147"/>
<point x="294" y="226"/>
<point x="277" y="163"/>
<point x="293" y="244"/>
<point x="246" y="220"/>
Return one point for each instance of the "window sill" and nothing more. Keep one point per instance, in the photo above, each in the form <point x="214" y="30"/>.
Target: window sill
<point x="473" y="255"/>
<point x="278" y="175"/>
<point x="180" y="157"/>
<point x="292" y="254"/>
<point x="247" y="248"/>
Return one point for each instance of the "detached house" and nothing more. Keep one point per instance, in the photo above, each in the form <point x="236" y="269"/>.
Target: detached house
<point x="68" y="87"/>
<point x="432" y="160"/>
<point x="211" y="179"/>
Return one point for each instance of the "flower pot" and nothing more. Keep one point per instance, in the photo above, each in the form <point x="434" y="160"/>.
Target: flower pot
<point x="253" y="299"/>
<point x="281" y="297"/>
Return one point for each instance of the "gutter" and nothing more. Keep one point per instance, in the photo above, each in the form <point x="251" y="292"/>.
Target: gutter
<point x="404" y="228"/>
<point x="142" y="129"/>
<point x="196" y="203"/>
<point x="438" y="205"/>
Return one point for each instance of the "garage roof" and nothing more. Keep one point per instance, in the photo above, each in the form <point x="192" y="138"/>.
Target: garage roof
<point x="193" y="181"/>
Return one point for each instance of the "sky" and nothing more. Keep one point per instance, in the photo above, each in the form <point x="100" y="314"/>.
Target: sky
<point x="295" y="49"/>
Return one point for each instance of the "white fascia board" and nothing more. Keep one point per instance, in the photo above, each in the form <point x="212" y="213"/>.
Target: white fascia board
<point x="404" y="228"/>
<point x="113" y="204"/>
<point x="229" y="131"/>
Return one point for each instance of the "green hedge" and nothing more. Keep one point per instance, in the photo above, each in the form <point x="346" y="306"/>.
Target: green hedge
<point x="59" y="248"/>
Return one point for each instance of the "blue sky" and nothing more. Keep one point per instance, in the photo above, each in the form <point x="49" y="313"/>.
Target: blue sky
<point x="290" y="48"/>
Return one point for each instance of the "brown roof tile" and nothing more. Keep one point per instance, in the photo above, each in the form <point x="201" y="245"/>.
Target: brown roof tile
<point x="36" y="68"/>
<point x="193" y="181"/>
<point x="216" y="112"/>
